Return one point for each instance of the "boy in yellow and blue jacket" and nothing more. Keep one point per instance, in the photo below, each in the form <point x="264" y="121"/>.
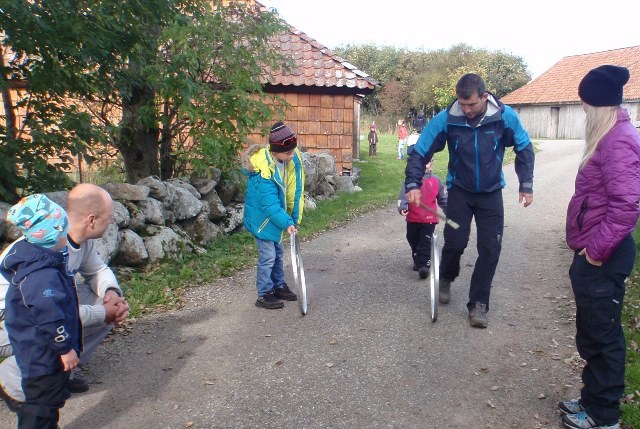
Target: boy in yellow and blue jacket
<point x="274" y="202"/>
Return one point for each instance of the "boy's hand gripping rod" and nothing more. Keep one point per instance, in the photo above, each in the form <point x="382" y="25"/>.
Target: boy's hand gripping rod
<point x="448" y="221"/>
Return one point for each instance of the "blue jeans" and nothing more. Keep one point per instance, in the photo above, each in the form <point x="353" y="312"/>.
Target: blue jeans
<point x="270" y="266"/>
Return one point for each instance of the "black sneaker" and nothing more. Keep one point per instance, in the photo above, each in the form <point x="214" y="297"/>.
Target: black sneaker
<point x="445" y="291"/>
<point x="269" y="302"/>
<point x="77" y="385"/>
<point x="13" y="404"/>
<point x="423" y="272"/>
<point x="283" y="292"/>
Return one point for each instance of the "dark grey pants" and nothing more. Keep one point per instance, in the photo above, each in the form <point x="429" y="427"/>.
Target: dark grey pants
<point x="599" y="293"/>
<point x="488" y="211"/>
<point x="44" y="397"/>
<point x="419" y="238"/>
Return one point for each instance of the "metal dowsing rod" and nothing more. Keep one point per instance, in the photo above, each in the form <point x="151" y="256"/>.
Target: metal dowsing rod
<point x="448" y="221"/>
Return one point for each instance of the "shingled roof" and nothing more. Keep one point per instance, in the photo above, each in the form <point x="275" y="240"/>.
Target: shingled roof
<point x="315" y="67"/>
<point x="559" y="84"/>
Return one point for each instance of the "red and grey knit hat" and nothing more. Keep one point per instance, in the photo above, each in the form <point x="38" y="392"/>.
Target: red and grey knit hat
<point x="282" y="138"/>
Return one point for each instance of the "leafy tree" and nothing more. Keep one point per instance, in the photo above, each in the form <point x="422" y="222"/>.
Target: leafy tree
<point x="381" y="63"/>
<point x="163" y="81"/>
<point x="417" y="80"/>
<point x="394" y="99"/>
<point x="196" y="91"/>
<point x="48" y="62"/>
<point x="504" y="73"/>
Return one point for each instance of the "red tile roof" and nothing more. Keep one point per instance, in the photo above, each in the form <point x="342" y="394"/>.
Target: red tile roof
<point x="316" y="66"/>
<point x="559" y="84"/>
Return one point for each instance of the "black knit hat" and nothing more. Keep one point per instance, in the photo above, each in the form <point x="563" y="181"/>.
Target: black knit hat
<point x="282" y="138"/>
<point x="602" y="86"/>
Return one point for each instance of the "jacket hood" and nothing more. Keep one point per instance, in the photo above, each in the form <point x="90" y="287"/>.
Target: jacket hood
<point x="493" y="106"/>
<point x="247" y="164"/>
<point x="24" y="258"/>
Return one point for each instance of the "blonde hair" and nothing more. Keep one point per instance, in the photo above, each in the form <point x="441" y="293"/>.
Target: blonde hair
<point x="598" y="123"/>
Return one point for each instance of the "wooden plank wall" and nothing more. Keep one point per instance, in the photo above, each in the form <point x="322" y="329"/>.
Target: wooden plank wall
<point x="538" y="120"/>
<point x="324" y="123"/>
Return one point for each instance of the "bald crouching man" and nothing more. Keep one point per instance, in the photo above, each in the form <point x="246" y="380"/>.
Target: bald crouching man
<point x="102" y="305"/>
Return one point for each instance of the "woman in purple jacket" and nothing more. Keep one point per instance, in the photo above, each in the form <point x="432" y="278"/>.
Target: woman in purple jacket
<point x="600" y="218"/>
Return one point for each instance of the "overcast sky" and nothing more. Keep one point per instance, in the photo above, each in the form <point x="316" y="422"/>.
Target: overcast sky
<point x="542" y="32"/>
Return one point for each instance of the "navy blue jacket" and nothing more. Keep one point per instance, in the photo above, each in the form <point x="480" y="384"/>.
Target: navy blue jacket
<point x="41" y="313"/>
<point x="475" y="154"/>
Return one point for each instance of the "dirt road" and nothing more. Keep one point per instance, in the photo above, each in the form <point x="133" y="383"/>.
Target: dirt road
<point x="367" y="354"/>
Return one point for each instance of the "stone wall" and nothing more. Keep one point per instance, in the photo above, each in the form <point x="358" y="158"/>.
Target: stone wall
<point x="154" y="220"/>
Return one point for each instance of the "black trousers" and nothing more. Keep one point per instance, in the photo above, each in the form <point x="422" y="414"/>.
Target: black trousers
<point x="599" y="293"/>
<point x="373" y="149"/>
<point x="419" y="238"/>
<point x="44" y="396"/>
<point x="488" y="211"/>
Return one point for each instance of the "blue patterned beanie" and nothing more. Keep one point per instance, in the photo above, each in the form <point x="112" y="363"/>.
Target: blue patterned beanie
<point x="41" y="221"/>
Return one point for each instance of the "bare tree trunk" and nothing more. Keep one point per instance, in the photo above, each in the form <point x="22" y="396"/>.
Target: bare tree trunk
<point x="167" y="159"/>
<point x="138" y="142"/>
<point x="11" y="125"/>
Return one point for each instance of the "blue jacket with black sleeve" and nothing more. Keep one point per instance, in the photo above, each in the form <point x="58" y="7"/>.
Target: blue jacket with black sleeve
<point x="41" y="313"/>
<point x="475" y="153"/>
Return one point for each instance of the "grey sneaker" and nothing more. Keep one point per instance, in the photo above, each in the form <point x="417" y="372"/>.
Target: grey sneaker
<point x="478" y="316"/>
<point x="582" y="420"/>
<point x="445" y="291"/>
<point x="570" y="407"/>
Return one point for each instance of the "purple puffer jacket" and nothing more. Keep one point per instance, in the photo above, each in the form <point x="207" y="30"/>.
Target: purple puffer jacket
<point x="604" y="208"/>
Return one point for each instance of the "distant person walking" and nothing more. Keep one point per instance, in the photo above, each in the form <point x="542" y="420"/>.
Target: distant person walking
<point x="419" y="122"/>
<point x="373" y="140"/>
<point x="411" y="141"/>
<point x="403" y="133"/>
<point x="477" y="129"/>
<point x="600" y="219"/>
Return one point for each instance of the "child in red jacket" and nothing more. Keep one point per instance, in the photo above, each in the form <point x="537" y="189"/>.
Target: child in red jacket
<point x="421" y="222"/>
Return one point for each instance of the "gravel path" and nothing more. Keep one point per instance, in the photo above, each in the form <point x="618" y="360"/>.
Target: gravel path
<point x="367" y="354"/>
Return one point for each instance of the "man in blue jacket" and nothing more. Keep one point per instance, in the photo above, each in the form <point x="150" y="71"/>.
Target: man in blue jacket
<point x="476" y="128"/>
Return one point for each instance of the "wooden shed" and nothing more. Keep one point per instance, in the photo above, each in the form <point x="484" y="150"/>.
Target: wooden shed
<point x="549" y="106"/>
<point x="325" y="93"/>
